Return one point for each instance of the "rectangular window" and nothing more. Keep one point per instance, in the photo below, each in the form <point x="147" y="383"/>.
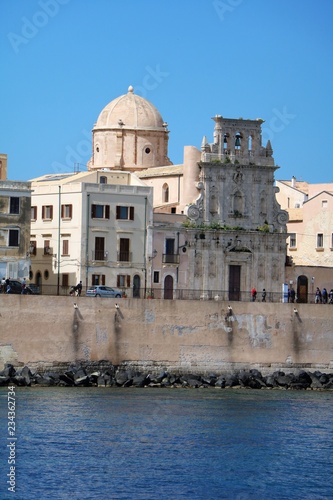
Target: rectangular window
<point x="100" y="211"/>
<point x="170" y="246"/>
<point x="156" y="276"/>
<point x="47" y="212"/>
<point x="99" y="248"/>
<point x="47" y="248"/>
<point x="13" y="237"/>
<point x="33" y="213"/>
<point x="292" y="240"/>
<point x="124" y="255"/>
<point x="324" y="204"/>
<point x="124" y="213"/>
<point x="98" y="279"/>
<point x="14" y="206"/>
<point x="65" y="246"/>
<point x="64" y="280"/>
<point x="66" y="211"/>
<point x="320" y="240"/>
<point x="123" y="280"/>
<point x="33" y="247"/>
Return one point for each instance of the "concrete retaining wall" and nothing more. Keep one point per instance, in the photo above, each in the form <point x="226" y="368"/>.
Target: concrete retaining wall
<point x="183" y="336"/>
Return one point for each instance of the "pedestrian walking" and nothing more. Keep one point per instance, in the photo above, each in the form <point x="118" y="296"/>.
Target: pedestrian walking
<point x="254" y="294"/>
<point x="263" y="295"/>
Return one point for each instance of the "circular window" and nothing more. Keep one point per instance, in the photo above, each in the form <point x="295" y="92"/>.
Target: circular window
<point x="46" y="274"/>
<point x="147" y="150"/>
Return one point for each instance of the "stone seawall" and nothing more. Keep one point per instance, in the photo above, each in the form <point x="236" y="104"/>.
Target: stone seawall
<point x="185" y="337"/>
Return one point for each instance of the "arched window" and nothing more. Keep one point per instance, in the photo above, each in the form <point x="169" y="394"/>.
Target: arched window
<point x="249" y="143"/>
<point x="225" y="141"/>
<point x="238" y="140"/>
<point x="165" y="193"/>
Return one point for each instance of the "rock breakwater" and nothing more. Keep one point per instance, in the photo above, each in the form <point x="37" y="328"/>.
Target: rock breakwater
<point x="108" y="375"/>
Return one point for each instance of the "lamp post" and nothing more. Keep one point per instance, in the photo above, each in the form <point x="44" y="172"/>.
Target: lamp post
<point x="58" y="261"/>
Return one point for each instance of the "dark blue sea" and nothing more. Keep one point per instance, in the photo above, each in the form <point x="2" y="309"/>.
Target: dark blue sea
<point x="108" y="443"/>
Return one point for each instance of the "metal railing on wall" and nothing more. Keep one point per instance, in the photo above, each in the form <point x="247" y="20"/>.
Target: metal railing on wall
<point x="184" y="294"/>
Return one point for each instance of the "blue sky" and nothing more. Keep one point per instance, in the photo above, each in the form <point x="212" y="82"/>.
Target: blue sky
<point x="62" y="61"/>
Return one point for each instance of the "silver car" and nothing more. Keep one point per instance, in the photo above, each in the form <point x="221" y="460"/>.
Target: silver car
<point x="103" y="291"/>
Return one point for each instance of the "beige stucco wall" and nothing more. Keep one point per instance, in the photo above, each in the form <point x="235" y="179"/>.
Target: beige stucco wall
<point x="179" y="335"/>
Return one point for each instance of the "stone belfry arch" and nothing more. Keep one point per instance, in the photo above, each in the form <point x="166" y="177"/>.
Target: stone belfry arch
<point x="129" y="134"/>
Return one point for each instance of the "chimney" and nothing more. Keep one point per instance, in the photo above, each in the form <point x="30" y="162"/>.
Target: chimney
<point x="293" y="181"/>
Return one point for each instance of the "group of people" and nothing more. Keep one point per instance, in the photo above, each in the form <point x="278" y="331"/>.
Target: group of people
<point x="76" y="290"/>
<point x="323" y="297"/>
<point x="254" y="295"/>
<point x="5" y="286"/>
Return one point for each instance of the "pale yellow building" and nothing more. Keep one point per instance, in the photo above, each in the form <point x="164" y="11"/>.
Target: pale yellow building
<point x="310" y="235"/>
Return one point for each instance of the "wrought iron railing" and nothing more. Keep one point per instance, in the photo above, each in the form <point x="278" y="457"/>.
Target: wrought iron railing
<point x="185" y="294"/>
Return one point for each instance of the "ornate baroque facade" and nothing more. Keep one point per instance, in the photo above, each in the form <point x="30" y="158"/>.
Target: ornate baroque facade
<point x="234" y="233"/>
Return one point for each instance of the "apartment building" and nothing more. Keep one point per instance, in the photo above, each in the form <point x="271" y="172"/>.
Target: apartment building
<point x="15" y="200"/>
<point x="91" y="227"/>
<point x="310" y="235"/>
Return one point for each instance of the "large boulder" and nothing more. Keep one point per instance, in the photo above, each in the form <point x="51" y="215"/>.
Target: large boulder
<point x="121" y="378"/>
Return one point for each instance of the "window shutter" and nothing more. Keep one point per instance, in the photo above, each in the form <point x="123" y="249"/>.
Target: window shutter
<point x="103" y="279"/>
<point x="118" y="280"/>
<point x="43" y="212"/>
<point x="70" y="210"/>
<point x="62" y="211"/>
<point x="107" y="211"/>
<point x="93" y="211"/>
<point x="51" y="212"/>
<point x="128" y="279"/>
<point x="117" y="212"/>
<point x="65" y="247"/>
<point x="131" y="213"/>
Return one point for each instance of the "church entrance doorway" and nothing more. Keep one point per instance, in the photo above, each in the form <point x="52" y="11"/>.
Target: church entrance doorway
<point x="234" y="282"/>
<point x="302" y="289"/>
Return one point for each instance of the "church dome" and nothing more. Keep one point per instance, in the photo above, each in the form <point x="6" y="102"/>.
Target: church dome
<point x="130" y="111"/>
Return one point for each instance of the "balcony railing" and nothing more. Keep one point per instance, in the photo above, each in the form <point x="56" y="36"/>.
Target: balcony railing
<point x="124" y="256"/>
<point x="100" y="255"/>
<point x="170" y="258"/>
<point x="186" y="294"/>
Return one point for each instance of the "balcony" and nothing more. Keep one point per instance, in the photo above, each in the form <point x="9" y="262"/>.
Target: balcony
<point x="170" y="258"/>
<point x="100" y="255"/>
<point x="124" y="256"/>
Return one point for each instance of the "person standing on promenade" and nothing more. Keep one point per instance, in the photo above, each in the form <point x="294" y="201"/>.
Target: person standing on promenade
<point x="263" y="295"/>
<point x="254" y="294"/>
<point x="324" y="296"/>
<point x="318" y="296"/>
<point x="79" y="288"/>
<point x="331" y="296"/>
<point x="292" y="295"/>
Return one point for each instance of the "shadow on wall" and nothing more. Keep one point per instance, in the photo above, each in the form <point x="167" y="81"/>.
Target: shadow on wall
<point x="75" y="328"/>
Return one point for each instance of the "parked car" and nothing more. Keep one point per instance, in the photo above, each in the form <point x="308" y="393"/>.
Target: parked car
<point x="16" y="287"/>
<point x="34" y="289"/>
<point x="103" y="291"/>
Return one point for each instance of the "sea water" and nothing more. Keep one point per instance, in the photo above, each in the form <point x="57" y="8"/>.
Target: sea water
<point x="150" y="443"/>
